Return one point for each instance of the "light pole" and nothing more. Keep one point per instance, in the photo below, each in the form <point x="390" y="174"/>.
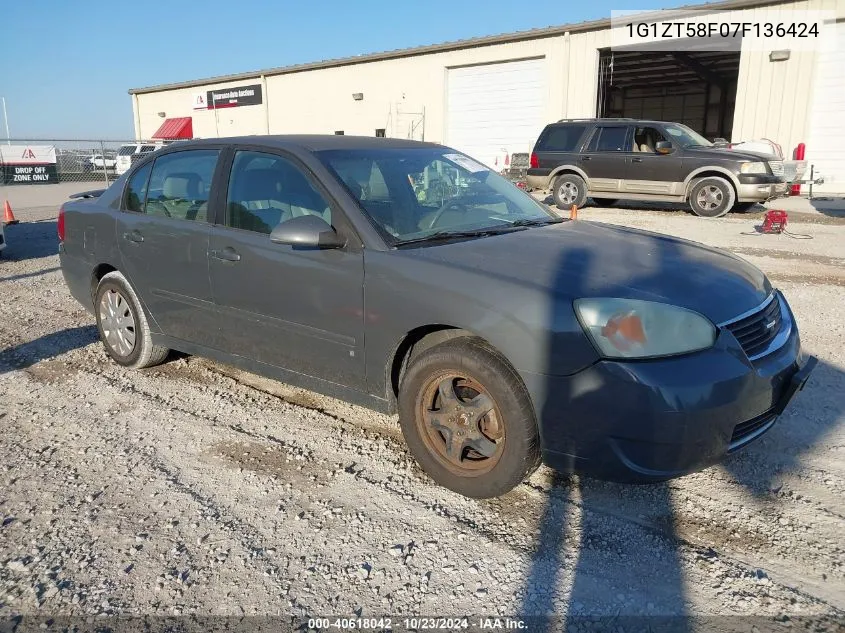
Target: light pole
<point x="6" y="120"/>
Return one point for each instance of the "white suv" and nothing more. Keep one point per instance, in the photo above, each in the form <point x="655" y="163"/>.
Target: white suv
<point x="128" y="154"/>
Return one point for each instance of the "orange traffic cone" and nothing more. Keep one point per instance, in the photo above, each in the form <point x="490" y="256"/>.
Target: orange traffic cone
<point x="8" y="216"/>
<point x="573" y="212"/>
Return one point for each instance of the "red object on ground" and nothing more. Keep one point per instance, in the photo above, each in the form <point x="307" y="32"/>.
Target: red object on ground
<point x="775" y="221"/>
<point x="8" y="216"/>
<point x="180" y="127"/>
<point x="798" y="154"/>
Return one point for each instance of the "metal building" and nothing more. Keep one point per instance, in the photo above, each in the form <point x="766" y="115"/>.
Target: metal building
<point x="491" y="96"/>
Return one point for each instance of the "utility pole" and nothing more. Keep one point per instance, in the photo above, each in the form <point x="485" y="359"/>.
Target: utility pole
<point x="6" y="120"/>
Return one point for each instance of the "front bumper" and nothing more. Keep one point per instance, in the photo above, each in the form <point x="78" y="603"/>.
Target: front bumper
<point x="652" y="420"/>
<point x="760" y="187"/>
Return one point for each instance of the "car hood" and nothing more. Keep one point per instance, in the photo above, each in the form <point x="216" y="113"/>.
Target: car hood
<point x="735" y="154"/>
<point x="584" y="259"/>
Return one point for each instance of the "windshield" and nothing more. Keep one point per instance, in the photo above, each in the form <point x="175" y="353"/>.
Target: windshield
<point x="126" y="150"/>
<point x="414" y="193"/>
<point x="685" y="137"/>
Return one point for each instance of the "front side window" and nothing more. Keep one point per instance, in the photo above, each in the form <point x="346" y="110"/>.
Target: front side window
<point x="647" y="138"/>
<point x="414" y="193"/>
<point x="136" y="189"/>
<point x="266" y="190"/>
<point x="609" y="139"/>
<point x="180" y="184"/>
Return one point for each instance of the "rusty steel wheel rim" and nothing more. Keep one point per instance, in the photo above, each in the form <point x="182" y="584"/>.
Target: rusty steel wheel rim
<point x="460" y="424"/>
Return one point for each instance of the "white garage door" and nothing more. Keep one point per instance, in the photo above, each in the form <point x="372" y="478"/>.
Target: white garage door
<point x="496" y="109"/>
<point x="826" y="143"/>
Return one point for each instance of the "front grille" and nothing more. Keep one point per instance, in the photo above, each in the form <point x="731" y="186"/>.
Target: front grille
<point x="756" y="331"/>
<point x="777" y="167"/>
<point x="745" y="431"/>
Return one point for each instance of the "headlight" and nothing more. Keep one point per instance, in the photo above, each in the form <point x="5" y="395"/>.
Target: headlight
<point x="753" y="168"/>
<point x="627" y="328"/>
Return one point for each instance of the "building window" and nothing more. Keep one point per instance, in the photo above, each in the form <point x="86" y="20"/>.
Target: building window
<point x="338" y="132"/>
<point x="380" y="132"/>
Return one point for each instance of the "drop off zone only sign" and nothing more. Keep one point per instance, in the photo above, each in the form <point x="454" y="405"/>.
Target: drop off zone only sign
<point x="28" y="165"/>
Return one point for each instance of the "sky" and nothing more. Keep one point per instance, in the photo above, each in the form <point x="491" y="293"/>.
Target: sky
<point x="67" y="66"/>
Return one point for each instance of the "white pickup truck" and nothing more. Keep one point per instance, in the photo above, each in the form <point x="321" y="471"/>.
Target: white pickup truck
<point x="98" y="161"/>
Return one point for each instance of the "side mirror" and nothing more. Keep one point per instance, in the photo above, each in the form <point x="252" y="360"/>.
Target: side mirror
<point x="664" y="147"/>
<point x="308" y="231"/>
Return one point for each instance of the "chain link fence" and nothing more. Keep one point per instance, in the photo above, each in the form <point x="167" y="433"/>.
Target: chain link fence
<point x="49" y="161"/>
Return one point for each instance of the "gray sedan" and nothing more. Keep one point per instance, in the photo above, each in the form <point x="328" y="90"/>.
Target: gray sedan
<point x="409" y="278"/>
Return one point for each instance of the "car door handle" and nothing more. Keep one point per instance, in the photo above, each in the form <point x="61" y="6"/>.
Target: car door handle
<point x="227" y="254"/>
<point x="636" y="160"/>
<point x="133" y="236"/>
<point x="586" y="158"/>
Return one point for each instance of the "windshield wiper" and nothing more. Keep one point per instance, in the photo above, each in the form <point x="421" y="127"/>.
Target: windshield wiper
<point x="439" y="236"/>
<point x="536" y="222"/>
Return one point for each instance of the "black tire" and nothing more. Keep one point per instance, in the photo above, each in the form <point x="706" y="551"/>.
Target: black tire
<point x="141" y="353"/>
<point x="569" y="189"/>
<point x="516" y="452"/>
<point x="742" y="207"/>
<point x="711" y="197"/>
<point x="605" y="202"/>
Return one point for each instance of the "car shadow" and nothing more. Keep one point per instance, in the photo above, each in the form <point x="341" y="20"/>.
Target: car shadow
<point x="607" y="554"/>
<point x="45" y="271"/>
<point x="46" y="347"/>
<point x="30" y="240"/>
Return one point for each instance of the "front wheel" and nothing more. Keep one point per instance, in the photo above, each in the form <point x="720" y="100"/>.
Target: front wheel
<point x="467" y="418"/>
<point x="711" y="197"/>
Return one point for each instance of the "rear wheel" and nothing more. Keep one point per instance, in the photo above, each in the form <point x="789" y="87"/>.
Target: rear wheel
<point x="467" y="418"/>
<point x="605" y="202"/>
<point x="569" y="189"/>
<point x="711" y="197"/>
<point x="123" y="325"/>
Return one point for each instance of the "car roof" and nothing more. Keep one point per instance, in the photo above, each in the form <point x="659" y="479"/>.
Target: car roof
<point x="620" y="121"/>
<point x="311" y="142"/>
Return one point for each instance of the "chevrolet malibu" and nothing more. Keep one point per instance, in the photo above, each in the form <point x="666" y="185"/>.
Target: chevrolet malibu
<point x="408" y="278"/>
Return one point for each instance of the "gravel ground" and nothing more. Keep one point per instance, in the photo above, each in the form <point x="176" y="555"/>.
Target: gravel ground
<point x="195" y="488"/>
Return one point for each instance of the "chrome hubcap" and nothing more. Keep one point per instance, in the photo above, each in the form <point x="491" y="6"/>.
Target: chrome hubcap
<point x="568" y="192"/>
<point x="117" y="322"/>
<point x="709" y="198"/>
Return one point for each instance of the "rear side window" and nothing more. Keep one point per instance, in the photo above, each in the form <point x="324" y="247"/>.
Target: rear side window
<point x="180" y="184"/>
<point x="609" y="139"/>
<point x="562" y="138"/>
<point x="136" y="190"/>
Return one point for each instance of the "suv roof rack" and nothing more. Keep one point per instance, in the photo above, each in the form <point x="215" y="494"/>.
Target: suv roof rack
<point x="598" y="119"/>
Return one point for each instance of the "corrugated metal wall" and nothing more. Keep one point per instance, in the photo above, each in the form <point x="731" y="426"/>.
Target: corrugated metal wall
<point x="774" y="98"/>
